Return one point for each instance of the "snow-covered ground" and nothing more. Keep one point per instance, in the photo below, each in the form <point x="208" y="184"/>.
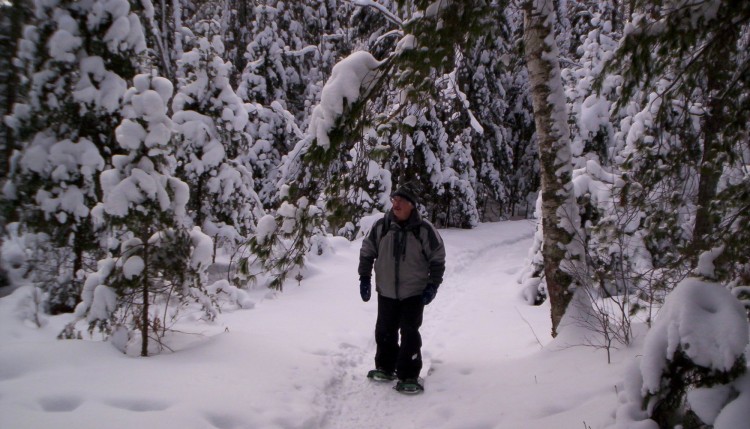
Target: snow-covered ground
<point x="298" y="359"/>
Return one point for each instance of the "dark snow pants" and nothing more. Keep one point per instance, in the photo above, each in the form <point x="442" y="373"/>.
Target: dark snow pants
<point x="394" y="315"/>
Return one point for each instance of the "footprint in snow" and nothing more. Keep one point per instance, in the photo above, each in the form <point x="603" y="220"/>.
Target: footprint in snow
<point x="60" y="403"/>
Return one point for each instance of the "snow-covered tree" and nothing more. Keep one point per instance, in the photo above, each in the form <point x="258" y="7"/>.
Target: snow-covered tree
<point x="493" y="77"/>
<point x="13" y="16"/>
<point x="210" y="120"/>
<point x="78" y="58"/>
<point x="687" y="148"/>
<point x="163" y="23"/>
<point x="308" y="170"/>
<point x="273" y="132"/>
<point x="270" y="69"/>
<point x="562" y="247"/>
<point x="431" y="150"/>
<point x="690" y="372"/>
<point x="237" y="36"/>
<point x="291" y="49"/>
<point x="158" y="263"/>
<point x="274" y="85"/>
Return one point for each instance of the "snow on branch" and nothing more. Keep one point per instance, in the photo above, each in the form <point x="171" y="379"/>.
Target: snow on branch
<point x="344" y="88"/>
<point x="300" y="52"/>
<point x="382" y="9"/>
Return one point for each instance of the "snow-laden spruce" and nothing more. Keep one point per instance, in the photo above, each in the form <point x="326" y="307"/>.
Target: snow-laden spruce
<point x="77" y="58"/>
<point x="158" y="263"/>
<point x="210" y="121"/>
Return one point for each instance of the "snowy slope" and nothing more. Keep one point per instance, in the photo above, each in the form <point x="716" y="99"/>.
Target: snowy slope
<point x="298" y="359"/>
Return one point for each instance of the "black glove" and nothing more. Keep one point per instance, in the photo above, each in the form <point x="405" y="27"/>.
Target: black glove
<point x="429" y="293"/>
<point x="364" y="288"/>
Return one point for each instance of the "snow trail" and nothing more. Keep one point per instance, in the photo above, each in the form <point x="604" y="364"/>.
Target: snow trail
<point x="479" y="285"/>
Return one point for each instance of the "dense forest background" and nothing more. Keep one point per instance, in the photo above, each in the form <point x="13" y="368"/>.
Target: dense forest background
<point x="153" y="147"/>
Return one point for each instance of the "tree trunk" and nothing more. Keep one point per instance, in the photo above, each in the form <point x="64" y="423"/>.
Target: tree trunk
<point x="144" y="292"/>
<point x="714" y="152"/>
<point x="243" y="12"/>
<point x="559" y="211"/>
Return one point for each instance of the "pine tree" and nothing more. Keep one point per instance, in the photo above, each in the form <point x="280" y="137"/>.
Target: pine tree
<point x="157" y="257"/>
<point x="237" y="36"/>
<point x="266" y="77"/>
<point x="13" y="16"/>
<point x="693" y="120"/>
<point x="272" y="81"/>
<point x="431" y="150"/>
<point x="210" y="120"/>
<point x="291" y="49"/>
<point x="272" y="132"/>
<point x="78" y="57"/>
<point x="308" y="173"/>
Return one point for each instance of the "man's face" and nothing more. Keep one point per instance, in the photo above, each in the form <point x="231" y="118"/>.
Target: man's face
<point x="401" y="208"/>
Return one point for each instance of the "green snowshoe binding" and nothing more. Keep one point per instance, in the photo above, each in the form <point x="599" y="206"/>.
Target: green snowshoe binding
<point x="410" y="386"/>
<point x="380" y="375"/>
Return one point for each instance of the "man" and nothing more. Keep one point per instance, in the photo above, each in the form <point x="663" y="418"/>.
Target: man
<point x="409" y="258"/>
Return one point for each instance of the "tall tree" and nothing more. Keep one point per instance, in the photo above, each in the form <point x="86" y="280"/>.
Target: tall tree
<point x="683" y="152"/>
<point x="493" y="77"/>
<point x="162" y="21"/>
<point x="210" y="122"/>
<point x="79" y="58"/>
<point x="690" y="72"/>
<point x="13" y="16"/>
<point x="560" y="217"/>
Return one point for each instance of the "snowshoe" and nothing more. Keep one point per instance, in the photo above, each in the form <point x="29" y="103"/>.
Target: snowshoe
<point x="380" y="375"/>
<point x="410" y="386"/>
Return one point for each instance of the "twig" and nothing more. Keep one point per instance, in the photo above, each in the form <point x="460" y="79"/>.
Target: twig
<point x="530" y="327"/>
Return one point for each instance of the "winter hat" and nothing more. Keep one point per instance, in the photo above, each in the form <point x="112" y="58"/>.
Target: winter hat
<point x="406" y="193"/>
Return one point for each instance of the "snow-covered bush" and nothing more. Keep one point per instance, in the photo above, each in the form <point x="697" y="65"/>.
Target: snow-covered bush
<point x="692" y="364"/>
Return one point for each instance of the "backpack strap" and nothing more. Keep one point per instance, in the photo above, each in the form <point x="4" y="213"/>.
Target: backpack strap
<point x="386" y="225"/>
<point x="418" y="235"/>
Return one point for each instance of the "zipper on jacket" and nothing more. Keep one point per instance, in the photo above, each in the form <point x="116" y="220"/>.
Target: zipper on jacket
<point x="397" y="257"/>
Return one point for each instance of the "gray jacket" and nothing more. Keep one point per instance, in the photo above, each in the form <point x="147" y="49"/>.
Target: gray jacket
<point x="407" y="257"/>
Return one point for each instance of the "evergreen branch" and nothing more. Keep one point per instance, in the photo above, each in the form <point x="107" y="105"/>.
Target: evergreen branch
<point x="380" y="8"/>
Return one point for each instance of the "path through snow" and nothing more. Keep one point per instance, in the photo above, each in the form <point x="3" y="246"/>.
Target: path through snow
<point x="298" y="359"/>
<point x="475" y="321"/>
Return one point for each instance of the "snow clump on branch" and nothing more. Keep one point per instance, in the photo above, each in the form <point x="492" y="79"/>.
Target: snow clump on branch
<point x="342" y="89"/>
